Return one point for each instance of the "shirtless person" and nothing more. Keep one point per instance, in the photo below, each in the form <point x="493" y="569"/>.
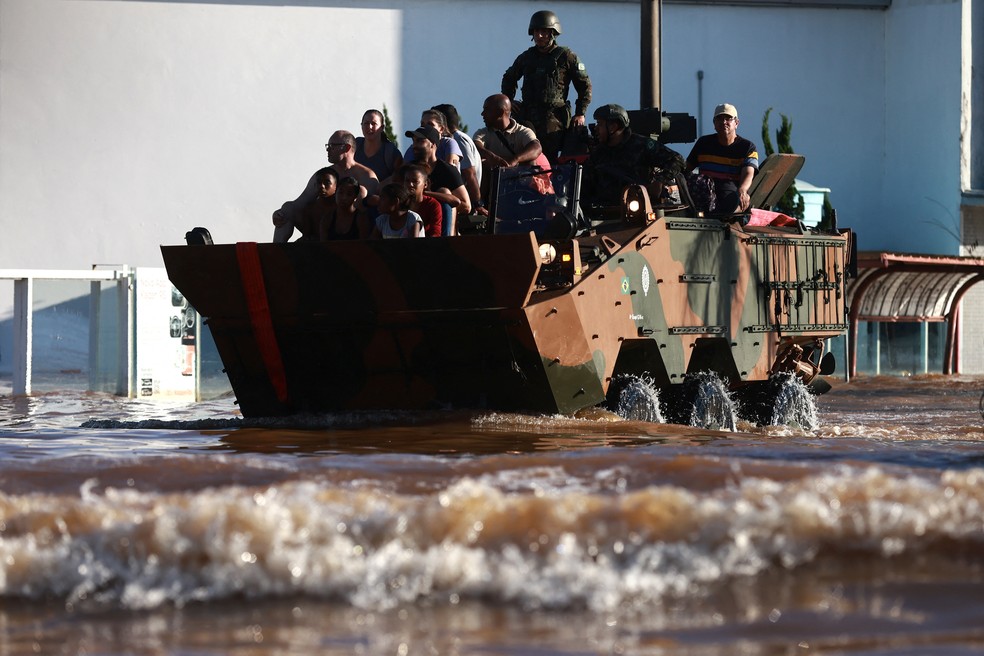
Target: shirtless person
<point x="341" y="154"/>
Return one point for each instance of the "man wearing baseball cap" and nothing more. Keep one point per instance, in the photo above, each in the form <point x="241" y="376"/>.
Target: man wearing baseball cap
<point x="446" y="184"/>
<point x="728" y="160"/>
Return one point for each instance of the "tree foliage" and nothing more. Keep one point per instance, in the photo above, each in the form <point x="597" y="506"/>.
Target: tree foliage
<point x="388" y="127"/>
<point x="791" y="202"/>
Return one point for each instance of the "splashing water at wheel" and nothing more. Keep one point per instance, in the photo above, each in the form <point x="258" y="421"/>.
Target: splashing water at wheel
<point x="713" y="407"/>
<point x="638" y="400"/>
<point x="794" y="405"/>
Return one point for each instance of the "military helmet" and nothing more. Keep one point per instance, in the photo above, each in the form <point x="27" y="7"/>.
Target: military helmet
<point x="615" y="113"/>
<point x="544" y="20"/>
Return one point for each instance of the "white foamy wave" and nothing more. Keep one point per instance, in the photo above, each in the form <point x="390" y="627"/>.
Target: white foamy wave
<point x="537" y="545"/>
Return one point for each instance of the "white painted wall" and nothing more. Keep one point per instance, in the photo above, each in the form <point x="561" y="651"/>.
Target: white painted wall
<point x="125" y="123"/>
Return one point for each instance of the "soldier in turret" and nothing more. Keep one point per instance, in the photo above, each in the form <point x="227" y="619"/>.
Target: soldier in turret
<point x="622" y="157"/>
<point x="548" y="71"/>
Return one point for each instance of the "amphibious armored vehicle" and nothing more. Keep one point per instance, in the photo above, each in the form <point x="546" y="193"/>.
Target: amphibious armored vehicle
<point x="544" y="308"/>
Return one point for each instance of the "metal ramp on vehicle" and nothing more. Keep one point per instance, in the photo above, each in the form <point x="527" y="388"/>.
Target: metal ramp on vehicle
<point x="775" y="175"/>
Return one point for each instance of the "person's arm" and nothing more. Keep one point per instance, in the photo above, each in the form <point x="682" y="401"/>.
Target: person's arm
<point x="510" y="79"/>
<point x="372" y="185"/>
<point x="283" y="231"/>
<point x="744" y="183"/>
<point x="582" y="84"/>
<point x="667" y="162"/>
<point x="470" y="176"/>
<point x="456" y="198"/>
<point x="286" y="216"/>
<point x="528" y="154"/>
<point x="490" y="158"/>
<point x="464" y="204"/>
<point x="453" y="154"/>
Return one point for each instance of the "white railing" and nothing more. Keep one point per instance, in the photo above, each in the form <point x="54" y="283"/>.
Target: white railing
<point x="23" y="319"/>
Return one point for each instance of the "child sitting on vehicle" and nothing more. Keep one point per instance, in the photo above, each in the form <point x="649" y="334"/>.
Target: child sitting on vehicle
<point x="311" y="217"/>
<point x="347" y="218"/>
<point x="414" y="178"/>
<point x="396" y="219"/>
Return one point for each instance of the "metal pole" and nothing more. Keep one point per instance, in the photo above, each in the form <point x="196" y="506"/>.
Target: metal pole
<point x="924" y="346"/>
<point x="23" y="334"/>
<point x="650" y="60"/>
<point x="125" y="322"/>
<point x="700" y="102"/>
<point x="877" y="326"/>
<point x="95" y="310"/>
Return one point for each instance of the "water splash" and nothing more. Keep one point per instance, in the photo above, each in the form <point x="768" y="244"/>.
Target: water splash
<point x="794" y="405"/>
<point x="713" y="407"/>
<point x="638" y="400"/>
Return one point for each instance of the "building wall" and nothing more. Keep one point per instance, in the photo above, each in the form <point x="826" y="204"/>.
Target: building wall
<point x="922" y="119"/>
<point x="125" y="123"/>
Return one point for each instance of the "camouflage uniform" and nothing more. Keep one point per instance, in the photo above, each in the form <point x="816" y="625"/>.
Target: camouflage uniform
<point x="636" y="160"/>
<point x="547" y="77"/>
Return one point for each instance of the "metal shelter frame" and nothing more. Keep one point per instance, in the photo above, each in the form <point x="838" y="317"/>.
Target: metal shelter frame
<point x="896" y="287"/>
<point x="122" y="275"/>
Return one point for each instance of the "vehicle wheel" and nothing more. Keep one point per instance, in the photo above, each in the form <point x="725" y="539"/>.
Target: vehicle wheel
<point x="793" y="405"/>
<point x="702" y="401"/>
<point x="781" y="401"/>
<point x="636" y="399"/>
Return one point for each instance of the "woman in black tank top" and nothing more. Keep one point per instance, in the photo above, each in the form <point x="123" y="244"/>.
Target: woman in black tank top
<point x="348" y="220"/>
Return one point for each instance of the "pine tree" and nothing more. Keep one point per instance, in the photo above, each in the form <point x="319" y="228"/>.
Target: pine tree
<point x="388" y="128"/>
<point x="791" y="202"/>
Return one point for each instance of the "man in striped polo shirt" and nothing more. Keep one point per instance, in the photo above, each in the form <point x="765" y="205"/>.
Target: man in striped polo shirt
<point x="729" y="160"/>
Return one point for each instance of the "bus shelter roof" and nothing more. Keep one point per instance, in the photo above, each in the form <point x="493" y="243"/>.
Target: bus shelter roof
<point x="911" y="287"/>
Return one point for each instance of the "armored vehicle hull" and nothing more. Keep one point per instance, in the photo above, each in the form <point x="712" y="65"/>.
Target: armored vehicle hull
<point x="515" y="321"/>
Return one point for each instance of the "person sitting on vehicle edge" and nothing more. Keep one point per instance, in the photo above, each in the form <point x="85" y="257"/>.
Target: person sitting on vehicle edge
<point x="503" y="142"/>
<point x="341" y="153"/>
<point x="728" y="160"/>
<point x="311" y="217"/>
<point x="396" y="220"/>
<point x="446" y="184"/>
<point x="621" y="157"/>
<point x="348" y="218"/>
<point x="414" y="178"/>
<point x="548" y="70"/>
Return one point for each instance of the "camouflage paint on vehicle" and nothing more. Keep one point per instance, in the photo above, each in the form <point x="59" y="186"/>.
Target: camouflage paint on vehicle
<point x="487" y="321"/>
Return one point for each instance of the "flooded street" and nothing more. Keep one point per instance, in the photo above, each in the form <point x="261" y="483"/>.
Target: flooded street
<point x="131" y="527"/>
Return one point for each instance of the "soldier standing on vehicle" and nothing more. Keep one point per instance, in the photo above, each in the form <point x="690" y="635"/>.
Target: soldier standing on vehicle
<point x="548" y="71"/>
